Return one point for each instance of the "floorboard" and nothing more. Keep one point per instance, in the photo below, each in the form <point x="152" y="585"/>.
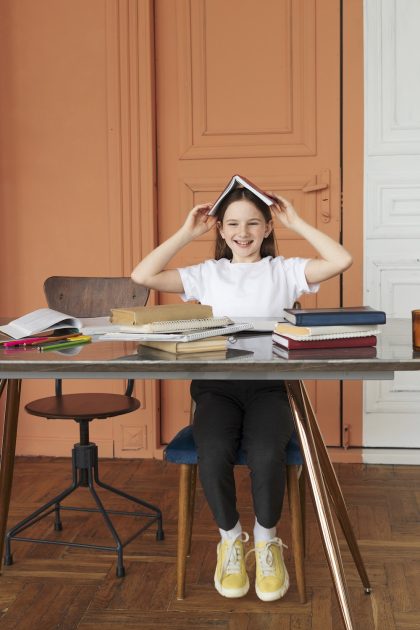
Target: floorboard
<point x="64" y="588"/>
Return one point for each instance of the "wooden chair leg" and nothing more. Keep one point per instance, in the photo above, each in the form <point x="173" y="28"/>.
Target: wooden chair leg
<point x="302" y="495"/>
<point x="296" y="529"/>
<point x="193" y="483"/>
<point x="184" y="522"/>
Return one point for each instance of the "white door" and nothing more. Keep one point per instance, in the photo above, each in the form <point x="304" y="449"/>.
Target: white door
<point x="392" y="213"/>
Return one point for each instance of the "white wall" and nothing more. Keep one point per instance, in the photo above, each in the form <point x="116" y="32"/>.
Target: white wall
<point x="392" y="212"/>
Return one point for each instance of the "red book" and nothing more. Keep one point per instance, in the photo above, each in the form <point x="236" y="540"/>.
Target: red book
<point x="341" y="342"/>
<point x="318" y="354"/>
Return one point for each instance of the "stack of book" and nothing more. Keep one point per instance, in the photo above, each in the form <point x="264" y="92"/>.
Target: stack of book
<point x="179" y="329"/>
<point x="343" y="331"/>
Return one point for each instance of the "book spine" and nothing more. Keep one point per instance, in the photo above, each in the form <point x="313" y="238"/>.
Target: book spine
<point x="345" y="319"/>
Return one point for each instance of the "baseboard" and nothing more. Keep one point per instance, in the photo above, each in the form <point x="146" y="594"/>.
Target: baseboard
<point x="398" y="456"/>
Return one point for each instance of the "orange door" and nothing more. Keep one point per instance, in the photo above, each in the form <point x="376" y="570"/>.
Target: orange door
<point x="252" y="88"/>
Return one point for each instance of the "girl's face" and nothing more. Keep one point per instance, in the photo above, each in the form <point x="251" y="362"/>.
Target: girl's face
<point x="244" y="229"/>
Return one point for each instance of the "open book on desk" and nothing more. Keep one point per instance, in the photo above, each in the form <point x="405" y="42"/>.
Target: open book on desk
<point x="43" y="320"/>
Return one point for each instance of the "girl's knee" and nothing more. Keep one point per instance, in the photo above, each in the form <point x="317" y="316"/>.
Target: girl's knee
<point x="266" y="460"/>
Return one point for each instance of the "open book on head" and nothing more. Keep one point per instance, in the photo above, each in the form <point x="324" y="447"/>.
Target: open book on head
<point x="43" y="320"/>
<point x="238" y="181"/>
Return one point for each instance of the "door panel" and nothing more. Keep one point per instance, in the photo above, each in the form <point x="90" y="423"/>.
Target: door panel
<point x="250" y="88"/>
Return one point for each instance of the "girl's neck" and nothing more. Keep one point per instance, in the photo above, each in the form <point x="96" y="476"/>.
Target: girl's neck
<point x="241" y="261"/>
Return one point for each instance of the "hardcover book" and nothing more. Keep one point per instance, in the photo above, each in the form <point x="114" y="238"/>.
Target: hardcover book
<point x="238" y="181"/>
<point x="188" y="347"/>
<point x="324" y="353"/>
<point x="341" y="342"/>
<point x="334" y="316"/>
<point x="139" y="315"/>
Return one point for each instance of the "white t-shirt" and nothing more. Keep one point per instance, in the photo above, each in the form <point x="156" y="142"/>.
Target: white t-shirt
<point x="259" y="289"/>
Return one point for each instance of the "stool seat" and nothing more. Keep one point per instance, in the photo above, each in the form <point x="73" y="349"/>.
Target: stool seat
<point x="182" y="450"/>
<point x="82" y="406"/>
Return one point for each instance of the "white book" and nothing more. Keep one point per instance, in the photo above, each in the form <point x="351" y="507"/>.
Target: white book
<point x="337" y="335"/>
<point x="307" y="332"/>
<point x="39" y="321"/>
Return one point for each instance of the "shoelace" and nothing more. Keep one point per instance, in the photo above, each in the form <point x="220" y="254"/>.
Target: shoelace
<point x="232" y="563"/>
<point x="265" y="556"/>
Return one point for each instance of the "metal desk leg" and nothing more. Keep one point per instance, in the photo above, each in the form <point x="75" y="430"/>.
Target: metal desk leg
<point x="320" y="499"/>
<point x="335" y="493"/>
<point x="8" y="455"/>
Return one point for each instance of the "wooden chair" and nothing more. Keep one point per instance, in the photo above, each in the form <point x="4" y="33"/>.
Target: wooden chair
<point x="182" y="450"/>
<point x="83" y="298"/>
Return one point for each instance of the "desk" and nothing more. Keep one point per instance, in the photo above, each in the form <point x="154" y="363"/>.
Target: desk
<point x="120" y="360"/>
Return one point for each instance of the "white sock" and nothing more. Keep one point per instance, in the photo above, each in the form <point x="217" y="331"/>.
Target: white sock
<point x="262" y="534"/>
<point x="231" y="534"/>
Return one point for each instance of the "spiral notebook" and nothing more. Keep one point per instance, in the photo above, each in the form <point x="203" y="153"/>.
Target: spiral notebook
<point x="178" y="325"/>
<point x="180" y="336"/>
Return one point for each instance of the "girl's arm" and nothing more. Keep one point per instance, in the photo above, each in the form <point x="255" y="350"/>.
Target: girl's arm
<point x="151" y="272"/>
<point x="334" y="259"/>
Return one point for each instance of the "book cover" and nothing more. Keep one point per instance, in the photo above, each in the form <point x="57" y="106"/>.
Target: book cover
<point x="188" y="347"/>
<point x="238" y="181"/>
<point x="341" y="342"/>
<point x="140" y="315"/>
<point x="334" y="316"/>
<point x="322" y="354"/>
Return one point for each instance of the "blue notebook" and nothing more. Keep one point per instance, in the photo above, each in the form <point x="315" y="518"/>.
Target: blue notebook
<point x="347" y="315"/>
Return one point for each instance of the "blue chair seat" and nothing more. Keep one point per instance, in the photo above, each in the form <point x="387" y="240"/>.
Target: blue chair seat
<point x="182" y="450"/>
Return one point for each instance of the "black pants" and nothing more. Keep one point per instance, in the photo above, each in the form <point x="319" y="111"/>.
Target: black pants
<point x="256" y="415"/>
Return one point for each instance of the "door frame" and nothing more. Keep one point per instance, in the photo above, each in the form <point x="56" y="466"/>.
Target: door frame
<point x="352" y="115"/>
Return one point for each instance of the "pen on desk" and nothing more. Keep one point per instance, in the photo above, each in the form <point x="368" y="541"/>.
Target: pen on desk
<point x="54" y="338"/>
<point x="64" y="344"/>
<point x="22" y="342"/>
<point x="33" y="341"/>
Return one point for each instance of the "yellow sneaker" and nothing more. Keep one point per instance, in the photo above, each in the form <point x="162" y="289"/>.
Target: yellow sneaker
<point x="230" y="578"/>
<point x="272" y="579"/>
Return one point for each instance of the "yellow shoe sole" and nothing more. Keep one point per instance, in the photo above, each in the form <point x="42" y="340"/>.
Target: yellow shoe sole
<point x="231" y="592"/>
<point x="272" y="596"/>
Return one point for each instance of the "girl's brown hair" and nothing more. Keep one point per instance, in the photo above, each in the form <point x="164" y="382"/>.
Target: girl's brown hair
<point x="268" y="246"/>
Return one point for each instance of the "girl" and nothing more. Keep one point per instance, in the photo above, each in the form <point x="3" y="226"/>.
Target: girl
<point x="246" y="278"/>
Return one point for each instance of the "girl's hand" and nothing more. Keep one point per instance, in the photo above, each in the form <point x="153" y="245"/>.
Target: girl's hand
<point x="198" y="221"/>
<point x="284" y="211"/>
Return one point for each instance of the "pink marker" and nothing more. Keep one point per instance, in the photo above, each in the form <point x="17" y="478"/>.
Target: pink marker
<point x="22" y="342"/>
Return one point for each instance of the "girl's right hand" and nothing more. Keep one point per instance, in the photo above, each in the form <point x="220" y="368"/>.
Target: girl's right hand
<point x="198" y="221"/>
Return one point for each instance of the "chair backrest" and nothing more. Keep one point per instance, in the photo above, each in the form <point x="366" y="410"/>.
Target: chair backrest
<point x="92" y="297"/>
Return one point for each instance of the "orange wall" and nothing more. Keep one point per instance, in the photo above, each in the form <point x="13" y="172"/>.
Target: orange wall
<point x="77" y="171"/>
<point x="70" y="188"/>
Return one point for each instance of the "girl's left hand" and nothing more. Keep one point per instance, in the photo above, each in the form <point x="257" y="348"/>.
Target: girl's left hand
<point x="284" y="211"/>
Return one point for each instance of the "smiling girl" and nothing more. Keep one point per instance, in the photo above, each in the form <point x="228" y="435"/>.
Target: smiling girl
<point x="244" y="279"/>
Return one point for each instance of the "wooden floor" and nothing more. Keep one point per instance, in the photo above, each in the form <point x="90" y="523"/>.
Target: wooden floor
<point x="53" y="587"/>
